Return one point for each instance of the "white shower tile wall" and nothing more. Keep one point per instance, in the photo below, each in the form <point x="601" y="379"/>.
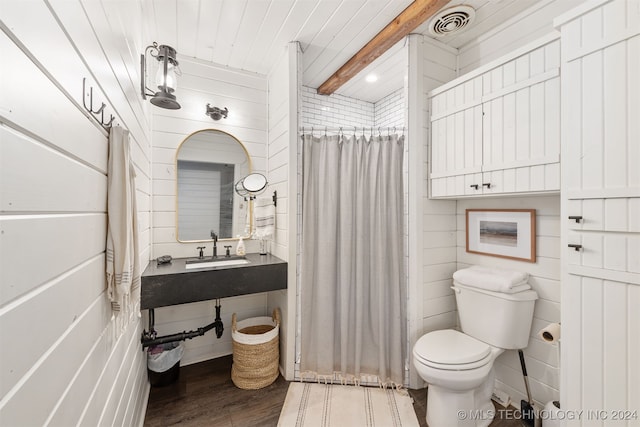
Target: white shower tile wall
<point x="334" y="111"/>
<point x="389" y="112"/>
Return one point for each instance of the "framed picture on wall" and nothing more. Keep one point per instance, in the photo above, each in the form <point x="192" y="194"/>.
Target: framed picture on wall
<point x="505" y="233"/>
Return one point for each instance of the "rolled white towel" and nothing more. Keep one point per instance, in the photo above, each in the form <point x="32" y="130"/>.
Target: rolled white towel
<point x="493" y="279"/>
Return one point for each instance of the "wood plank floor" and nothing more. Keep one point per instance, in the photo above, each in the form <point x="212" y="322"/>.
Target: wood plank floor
<point x="204" y="395"/>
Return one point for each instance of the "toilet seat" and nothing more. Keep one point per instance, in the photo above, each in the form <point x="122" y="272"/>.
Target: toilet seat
<point x="451" y="350"/>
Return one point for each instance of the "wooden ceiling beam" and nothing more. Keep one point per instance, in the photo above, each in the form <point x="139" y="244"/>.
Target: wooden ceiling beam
<point x="408" y="20"/>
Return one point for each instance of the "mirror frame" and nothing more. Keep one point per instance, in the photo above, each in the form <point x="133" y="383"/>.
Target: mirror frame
<point x="250" y="202"/>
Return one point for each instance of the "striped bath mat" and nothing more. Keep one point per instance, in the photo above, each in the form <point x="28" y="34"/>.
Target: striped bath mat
<point x="310" y="405"/>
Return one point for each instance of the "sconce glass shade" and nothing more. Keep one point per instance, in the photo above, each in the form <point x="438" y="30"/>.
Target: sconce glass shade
<point x="165" y="77"/>
<point x="166" y="81"/>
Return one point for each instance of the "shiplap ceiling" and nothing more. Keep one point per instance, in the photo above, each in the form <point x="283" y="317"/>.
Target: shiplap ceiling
<point x="250" y="35"/>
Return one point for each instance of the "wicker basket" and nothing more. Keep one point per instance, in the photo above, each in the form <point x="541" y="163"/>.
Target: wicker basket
<point x="256" y="351"/>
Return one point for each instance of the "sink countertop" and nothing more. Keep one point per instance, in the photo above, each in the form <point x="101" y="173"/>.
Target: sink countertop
<point x="171" y="284"/>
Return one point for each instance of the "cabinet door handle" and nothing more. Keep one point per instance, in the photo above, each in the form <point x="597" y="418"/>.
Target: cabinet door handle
<point x="474" y="186"/>
<point x="577" y="218"/>
<point x="487" y="184"/>
<point x="576" y="247"/>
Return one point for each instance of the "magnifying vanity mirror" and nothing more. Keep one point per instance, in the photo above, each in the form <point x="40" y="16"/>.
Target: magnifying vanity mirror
<point x="208" y="164"/>
<point x="251" y="185"/>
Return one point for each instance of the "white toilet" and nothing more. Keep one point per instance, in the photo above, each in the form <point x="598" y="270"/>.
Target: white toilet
<point x="495" y="309"/>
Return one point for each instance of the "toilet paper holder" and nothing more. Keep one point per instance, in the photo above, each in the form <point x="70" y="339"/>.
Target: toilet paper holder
<point x="550" y="333"/>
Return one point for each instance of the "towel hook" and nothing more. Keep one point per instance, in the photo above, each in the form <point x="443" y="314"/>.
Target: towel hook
<point x="100" y="110"/>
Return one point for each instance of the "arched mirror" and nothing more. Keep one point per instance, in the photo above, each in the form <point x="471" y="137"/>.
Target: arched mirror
<point x="208" y="164"/>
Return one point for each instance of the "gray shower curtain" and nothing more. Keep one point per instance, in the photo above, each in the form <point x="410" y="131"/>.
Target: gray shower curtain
<point x="353" y="280"/>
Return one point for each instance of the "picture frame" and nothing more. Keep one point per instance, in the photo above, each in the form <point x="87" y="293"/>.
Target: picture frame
<point x="504" y="233"/>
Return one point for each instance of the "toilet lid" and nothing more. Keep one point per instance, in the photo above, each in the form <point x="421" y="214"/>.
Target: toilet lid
<point x="450" y="347"/>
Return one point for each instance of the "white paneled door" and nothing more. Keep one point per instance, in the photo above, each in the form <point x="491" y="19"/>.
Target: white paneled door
<point x="600" y="372"/>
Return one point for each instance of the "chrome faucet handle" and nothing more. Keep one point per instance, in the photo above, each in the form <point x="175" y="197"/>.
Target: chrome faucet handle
<point x="228" y="248"/>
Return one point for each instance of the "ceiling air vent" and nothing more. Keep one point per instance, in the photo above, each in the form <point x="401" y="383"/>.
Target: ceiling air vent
<point x="451" y="20"/>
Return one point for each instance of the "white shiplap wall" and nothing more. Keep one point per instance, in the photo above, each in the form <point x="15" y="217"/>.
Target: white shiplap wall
<point x="541" y="357"/>
<point x="245" y="95"/>
<point x="523" y="28"/>
<point x="65" y="358"/>
<point x="284" y="82"/>
<point x="432" y="222"/>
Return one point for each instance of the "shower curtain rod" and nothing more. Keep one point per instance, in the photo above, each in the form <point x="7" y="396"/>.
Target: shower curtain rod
<point x="348" y="129"/>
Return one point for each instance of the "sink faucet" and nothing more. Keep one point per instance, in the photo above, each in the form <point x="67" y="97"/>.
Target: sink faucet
<point x="214" y="236"/>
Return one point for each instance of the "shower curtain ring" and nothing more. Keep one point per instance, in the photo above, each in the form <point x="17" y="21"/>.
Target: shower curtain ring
<point x="379" y="133"/>
<point x="325" y="131"/>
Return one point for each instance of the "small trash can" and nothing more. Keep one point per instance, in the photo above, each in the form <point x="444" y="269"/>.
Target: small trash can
<point x="163" y="363"/>
<point x="256" y="351"/>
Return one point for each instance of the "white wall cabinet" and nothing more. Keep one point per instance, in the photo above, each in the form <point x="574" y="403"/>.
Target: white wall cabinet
<point x="600" y="200"/>
<point x="496" y="130"/>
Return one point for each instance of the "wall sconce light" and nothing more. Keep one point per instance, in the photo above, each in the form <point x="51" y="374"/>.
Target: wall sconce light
<point x="165" y="77"/>
<point x="216" y="113"/>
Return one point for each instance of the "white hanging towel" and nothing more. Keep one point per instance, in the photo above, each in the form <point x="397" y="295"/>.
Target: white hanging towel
<point x="265" y="217"/>
<point x="493" y="279"/>
<point x="123" y="265"/>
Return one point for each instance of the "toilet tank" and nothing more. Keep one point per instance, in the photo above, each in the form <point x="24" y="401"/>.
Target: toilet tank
<point x="499" y="319"/>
